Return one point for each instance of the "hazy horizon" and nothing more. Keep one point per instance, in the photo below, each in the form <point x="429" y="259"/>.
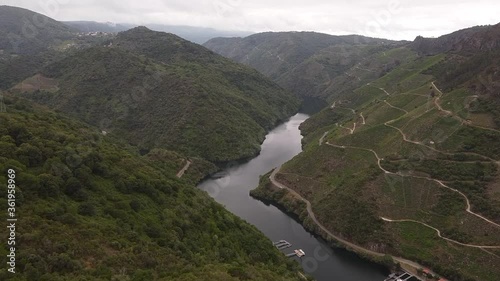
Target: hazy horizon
<point x="392" y="19"/>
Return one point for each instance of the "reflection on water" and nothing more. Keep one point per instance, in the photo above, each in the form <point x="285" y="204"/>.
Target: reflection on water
<point x="232" y="186"/>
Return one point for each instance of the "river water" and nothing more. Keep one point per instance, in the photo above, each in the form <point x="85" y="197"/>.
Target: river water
<point x="231" y="188"/>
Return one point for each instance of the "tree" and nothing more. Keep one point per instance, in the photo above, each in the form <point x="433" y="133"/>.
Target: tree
<point x="49" y="186"/>
<point x="72" y="186"/>
<point x="86" y="209"/>
<point x="30" y="155"/>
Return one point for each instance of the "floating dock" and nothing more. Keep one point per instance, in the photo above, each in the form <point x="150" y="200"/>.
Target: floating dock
<point x="282" y="244"/>
<point x="399" y="277"/>
<point x="299" y="253"/>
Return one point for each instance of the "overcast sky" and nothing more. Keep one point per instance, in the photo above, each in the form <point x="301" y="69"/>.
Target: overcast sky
<point x="394" y="19"/>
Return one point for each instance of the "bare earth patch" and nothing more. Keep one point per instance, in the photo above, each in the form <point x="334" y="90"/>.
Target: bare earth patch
<point x="38" y="82"/>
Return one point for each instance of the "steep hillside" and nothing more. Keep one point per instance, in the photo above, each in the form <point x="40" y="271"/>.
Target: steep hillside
<point x="470" y="40"/>
<point x="159" y="91"/>
<point x="91" y="208"/>
<point x="25" y="32"/>
<point x="305" y="63"/>
<point x="29" y="41"/>
<point x="408" y="164"/>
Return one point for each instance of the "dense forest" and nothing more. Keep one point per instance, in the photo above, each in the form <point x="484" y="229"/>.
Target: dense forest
<point x="92" y="208"/>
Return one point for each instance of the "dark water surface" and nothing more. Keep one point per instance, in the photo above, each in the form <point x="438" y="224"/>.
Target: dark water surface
<point x="232" y="186"/>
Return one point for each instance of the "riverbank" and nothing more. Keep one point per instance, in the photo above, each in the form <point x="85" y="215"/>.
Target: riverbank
<point x="231" y="188"/>
<point x="270" y="191"/>
<point x="288" y="202"/>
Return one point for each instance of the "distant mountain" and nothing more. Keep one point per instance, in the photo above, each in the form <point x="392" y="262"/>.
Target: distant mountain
<point x="303" y="62"/>
<point x="472" y="61"/>
<point x="194" y="34"/>
<point x="474" y="39"/>
<point x="92" y="26"/>
<point x="25" y="32"/>
<point x="28" y="41"/>
<point x="159" y="90"/>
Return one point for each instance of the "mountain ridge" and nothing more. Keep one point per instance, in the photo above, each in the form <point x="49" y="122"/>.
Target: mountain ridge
<point x="478" y="38"/>
<point x="292" y="59"/>
<point x="194" y="34"/>
<point x="406" y="162"/>
<point x="157" y="90"/>
<point x="25" y="32"/>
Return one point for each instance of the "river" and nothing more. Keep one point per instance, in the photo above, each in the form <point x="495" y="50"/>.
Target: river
<point x="231" y="188"/>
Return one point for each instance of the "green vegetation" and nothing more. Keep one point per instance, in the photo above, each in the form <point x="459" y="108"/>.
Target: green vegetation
<point x="188" y="100"/>
<point x="312" y="64"/>
<point x="92" y="208"/>
<point x="26" y="32"/>
<point x="100" y="200"/>
<point x="29" y="41"/>
<point x="445" y="146"/>
<point x="471" y="139"/>
<point x="421" y="244"/>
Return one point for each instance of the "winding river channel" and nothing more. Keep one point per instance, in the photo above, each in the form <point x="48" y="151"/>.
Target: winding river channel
<point x="231" y="188"/>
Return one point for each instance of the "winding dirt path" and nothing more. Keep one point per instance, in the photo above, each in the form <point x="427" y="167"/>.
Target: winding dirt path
<point x="350" y="130"/>
<point x="184" y="169"/>
<point x="406" y="139"/>
<point x="467" y="122"/>
<point x="352" y="110"/>
<point x="387" y="93"/>
<point x="351" y="245"/>
<point x="436" y="100"/>
<point x="439" y="234"/>
<point x="322" y="139"/>
<point x="468" y="209"/>
<point x="395" y="107"/>
<point x="379" y="160"/>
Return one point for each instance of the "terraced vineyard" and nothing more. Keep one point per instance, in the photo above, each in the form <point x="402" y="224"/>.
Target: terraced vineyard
<point x="400" y="167"/>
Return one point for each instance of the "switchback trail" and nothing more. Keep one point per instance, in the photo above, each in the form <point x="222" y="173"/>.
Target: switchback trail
<point x="395" y="107"/>
<point x="467" y="122"/>
<point x="439" y="234"/>
<point x="351" y="131"/>
<point x="468" y="208"/>
<point x="355" y="247"/>
<point x="440" y="183"/>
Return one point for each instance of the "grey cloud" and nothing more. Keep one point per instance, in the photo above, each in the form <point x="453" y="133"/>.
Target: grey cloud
<point x="389" y="18"/>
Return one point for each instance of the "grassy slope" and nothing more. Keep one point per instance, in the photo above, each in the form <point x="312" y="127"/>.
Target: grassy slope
<point x="92" y="208"/>
<point x="349" y="192"/>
